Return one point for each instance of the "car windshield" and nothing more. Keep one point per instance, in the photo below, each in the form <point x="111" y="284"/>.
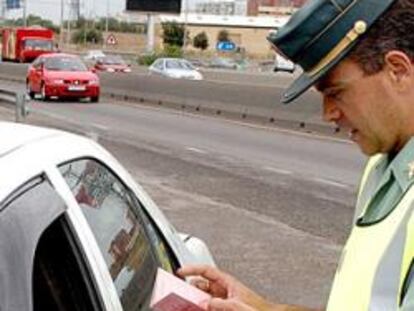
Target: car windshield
<point x="38" y="44"/>
<point x="111" y="60"/>
<point x="65" y="64"/>
<point x="96" y="53"/>
<point x="178" y="64"/>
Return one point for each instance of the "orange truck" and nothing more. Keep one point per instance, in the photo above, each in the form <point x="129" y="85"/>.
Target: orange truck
<point x="24" y="44"/>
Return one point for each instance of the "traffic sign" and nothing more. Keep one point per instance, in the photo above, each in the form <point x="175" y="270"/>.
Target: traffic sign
<point x="225" y="46"/>
<point x="13" y="4"/>
<point x="111" y="40"/>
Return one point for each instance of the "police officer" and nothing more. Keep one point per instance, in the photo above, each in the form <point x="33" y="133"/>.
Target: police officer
<point x="359" y="54"/>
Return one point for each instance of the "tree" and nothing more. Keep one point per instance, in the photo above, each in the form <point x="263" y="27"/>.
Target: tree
<point x="200" y="41"/>
<point x="223" y="35"/>
<point x="173" y="33"/>
<point x="87" y="35"/>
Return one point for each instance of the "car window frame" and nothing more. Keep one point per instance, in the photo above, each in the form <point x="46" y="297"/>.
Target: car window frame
<point x="141" y="210"/>
<point x="49" y="216"/>
<point x="87" y="243"/>
<point x="175" y="261"/>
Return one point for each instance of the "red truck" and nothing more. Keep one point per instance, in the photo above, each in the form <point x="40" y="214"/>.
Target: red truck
<point x="24" y="44"/>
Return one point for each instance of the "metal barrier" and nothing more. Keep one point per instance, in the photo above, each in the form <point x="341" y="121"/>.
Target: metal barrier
<point x="18" y="99"/>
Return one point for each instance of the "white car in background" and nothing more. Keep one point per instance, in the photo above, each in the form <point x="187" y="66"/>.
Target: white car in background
<point x="283" y="64"/>
<point x="176" y="68"/>
<point x="93" y="55"/>
<point x="77" y="232"/>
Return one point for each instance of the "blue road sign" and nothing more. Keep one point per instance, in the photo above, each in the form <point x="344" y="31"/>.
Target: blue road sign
<point x="13" y="4"/>
<point x="225" y="46"/>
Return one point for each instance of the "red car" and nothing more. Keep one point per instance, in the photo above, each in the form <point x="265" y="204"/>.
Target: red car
<point x="63" y="76"/>
<point x="112" y="64"/>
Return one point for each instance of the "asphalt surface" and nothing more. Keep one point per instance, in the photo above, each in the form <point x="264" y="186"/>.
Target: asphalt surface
<point x="273" y="206"/>
<point x="250" y="97"/>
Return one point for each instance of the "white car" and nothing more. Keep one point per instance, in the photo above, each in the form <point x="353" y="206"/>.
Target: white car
<point x="93" y="55"/>
<point x="283" y="64"/>
<point x="77" y="232"/>
<point x="176" y="68"/>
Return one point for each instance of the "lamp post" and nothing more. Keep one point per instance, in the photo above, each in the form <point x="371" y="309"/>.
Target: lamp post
<point x="106" y="22"/>
<point x="62" y="10"/>
<point x="185" y="24"/>
<point x="24" y="13"/>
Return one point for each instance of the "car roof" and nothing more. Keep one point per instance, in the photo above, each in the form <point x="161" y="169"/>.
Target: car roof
<point x="59" y="54"/>
<point x="14" y="135"/>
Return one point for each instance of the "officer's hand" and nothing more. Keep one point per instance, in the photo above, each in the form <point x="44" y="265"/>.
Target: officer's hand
<point x="218" y="304"/>
<point x="222" y="285"/>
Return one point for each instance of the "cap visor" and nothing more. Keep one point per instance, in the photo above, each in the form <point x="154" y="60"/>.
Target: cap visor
<point x="305" y="81"/>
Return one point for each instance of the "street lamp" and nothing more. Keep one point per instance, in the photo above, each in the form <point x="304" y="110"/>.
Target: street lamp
<point x="106" y="22"/>
<point x="62" y="4"/>
<point x="185" y="23"/>
<point x="24" y="13"/>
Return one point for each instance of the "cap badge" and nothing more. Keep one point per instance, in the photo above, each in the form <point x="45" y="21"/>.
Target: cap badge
<point x="360" y="27"/>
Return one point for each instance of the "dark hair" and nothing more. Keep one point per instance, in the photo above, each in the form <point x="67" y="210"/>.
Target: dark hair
<point x="392" y="31"/>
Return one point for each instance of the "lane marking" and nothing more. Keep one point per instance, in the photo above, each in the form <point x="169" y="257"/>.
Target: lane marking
<point x="100" y="126"/>
<point x="330" y="182"/>
<point x="277" y="170"/>
<point x="196" y="150"/>
<point x="264" y="85"/>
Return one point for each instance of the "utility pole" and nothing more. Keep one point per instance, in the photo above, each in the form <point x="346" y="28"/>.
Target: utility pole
<point x="62" y="14"/>
<point x="106" y="22"/>
<point x="185" y="24"/>
<point x="3" y="10"/>
<point x="24" y="13"/>
<point x="150" y="33"/>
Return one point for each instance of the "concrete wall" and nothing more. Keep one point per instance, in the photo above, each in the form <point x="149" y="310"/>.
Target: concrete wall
<point x="253" y="40"/>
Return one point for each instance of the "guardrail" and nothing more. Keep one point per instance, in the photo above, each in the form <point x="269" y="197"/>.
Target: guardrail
<point x="18" y="99"/>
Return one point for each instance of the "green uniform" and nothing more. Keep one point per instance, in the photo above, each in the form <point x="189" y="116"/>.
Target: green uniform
<point x="375" y="271"/>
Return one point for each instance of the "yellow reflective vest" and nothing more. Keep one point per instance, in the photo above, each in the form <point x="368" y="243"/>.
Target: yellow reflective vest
<point x="376" y="264"/>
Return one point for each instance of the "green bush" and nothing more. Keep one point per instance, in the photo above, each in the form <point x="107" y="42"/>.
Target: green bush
<point x="200" y="41"/>
<point x="173" y="33"/>
<point x="172" y="51"/>
<point x="147" y="59"/>
<point x="87" y="36"/>
<point x="223" y="35"/>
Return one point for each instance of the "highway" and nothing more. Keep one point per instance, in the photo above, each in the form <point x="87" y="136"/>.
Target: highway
<point x="273" y="205"/>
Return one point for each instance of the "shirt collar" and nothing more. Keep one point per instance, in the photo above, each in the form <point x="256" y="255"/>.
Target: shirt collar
<point x="402" y="166"/>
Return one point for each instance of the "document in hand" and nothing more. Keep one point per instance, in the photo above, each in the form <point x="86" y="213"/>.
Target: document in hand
<point x="170" y="293"/>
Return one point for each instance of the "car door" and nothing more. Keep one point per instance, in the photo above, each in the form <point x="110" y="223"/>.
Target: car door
<point x="130" y="243"/>
<point x="42" y="262"/>
<point x="37" y="75"/>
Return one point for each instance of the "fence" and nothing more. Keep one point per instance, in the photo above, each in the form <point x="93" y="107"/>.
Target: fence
<point x="16" y="99"/>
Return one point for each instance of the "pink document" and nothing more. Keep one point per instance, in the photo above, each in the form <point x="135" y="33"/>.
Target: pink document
<point x="170" y="293"/>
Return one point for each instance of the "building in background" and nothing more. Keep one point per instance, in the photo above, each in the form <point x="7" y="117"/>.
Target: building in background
<point x="273" y="7"/>
<point x="222" y="7"/>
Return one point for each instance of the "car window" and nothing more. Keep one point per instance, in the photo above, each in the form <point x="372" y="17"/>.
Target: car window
<point x="158" y="64"/>
<point x="129" y="243"/>
<point x="37" y="62"/>
<point x="34" y="44"/>
<point x="186" y="65"/>
<point x="60" y="281"/>
<point x="42" y="269"/>
<point x="65" y="64"/>
<point x="176" y="64"/>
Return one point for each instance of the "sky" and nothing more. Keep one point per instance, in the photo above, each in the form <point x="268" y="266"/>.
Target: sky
<point x="50" y="9"/>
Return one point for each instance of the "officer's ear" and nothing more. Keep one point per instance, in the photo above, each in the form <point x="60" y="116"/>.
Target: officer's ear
<point x="400" y="69"/>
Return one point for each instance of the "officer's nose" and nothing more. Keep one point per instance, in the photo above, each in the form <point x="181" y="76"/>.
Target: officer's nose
<point x="331" y="112"/>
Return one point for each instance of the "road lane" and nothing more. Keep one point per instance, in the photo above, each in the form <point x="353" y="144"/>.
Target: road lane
<point x="274" y="206"/>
